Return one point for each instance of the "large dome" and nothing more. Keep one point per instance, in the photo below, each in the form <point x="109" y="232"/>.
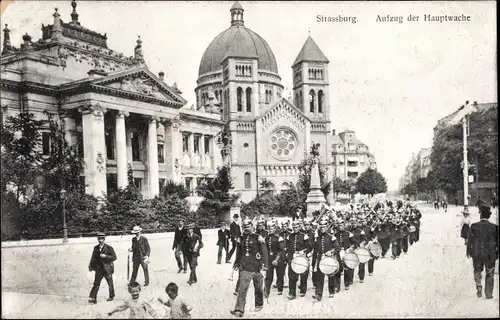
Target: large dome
<point x="237" y="41"/>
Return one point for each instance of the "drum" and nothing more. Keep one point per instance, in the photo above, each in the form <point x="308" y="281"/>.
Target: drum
<point x="363" y="255"/>
<point x="299" y="264"/>
<point x="413" y="228"/>
<point x="351" y="260"/>
<point x="328" y="265"/>
<point x="375" y="249"/>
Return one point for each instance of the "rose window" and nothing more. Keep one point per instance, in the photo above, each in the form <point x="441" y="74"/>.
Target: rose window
<point x="283" y="143"/>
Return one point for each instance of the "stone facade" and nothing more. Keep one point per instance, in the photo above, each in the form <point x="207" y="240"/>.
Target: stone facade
<point x="114" y="107"/>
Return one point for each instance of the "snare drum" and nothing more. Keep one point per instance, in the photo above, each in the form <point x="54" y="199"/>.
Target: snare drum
<point x="363" y="255"/>
<point x="351" y="260"/>
<point x="328" y="265"/>
<point x="375" y="249"/>
<point x="299" y="264"/>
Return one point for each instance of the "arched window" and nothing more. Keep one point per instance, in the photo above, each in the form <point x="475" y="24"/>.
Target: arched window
<point x="239" y="97"/>
<point x="249" y="99"/>
<point x="312" y="98"/>
<point x="247" y="178"/>
<point x="285" y="186"/>
<point x="320" y="101"/>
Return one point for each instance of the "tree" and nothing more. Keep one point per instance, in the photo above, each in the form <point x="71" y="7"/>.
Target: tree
<point x="447" y="148"/>
<point x="21" y="159"/>
<point x="216" y="192"/>
<point x="371" y="182"/>
<point x="340" y="186"/>
<point x="172" y="188"/>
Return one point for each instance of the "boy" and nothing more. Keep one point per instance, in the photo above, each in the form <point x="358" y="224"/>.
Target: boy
<point x="179" y="308"/>
<point x="139" y="309"/>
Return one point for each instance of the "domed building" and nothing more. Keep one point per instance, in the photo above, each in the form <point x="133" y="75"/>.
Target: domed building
<point x="267" y="136"/>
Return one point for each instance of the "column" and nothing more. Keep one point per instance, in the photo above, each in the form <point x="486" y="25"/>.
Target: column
<point x="70" y="127"/>
<point x="121" y="149"/>
<point x="308" y="137"/>
<point x="191" y="149"/>
<point x="153" y="158"/>
<point x="173" y="149"/>
<point x="202" y="151"/>
<point x="94" y="149"/>
<point x="215" y="152"/>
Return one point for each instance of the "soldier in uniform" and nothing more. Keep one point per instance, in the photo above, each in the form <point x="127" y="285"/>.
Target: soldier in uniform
<point x="397" y="238"/>
<point x="296" y="243"/>
<point x="276" y="248"/>
<point x="251" y="261"/>
<point x="325" y="245"/>
<point x="346" y="239"/>
<point x="261" y="228"/>
<point x="337" y="233"/>
<point x="359" y="240"/>
<point x="406" y="233"/>
<point x="370" y="237"/>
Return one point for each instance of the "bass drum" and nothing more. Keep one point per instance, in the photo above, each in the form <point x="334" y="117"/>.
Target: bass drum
<point x="375" y="249"/>
<point x="413" y="228"/>
<point x="328" y="265"/>
<point x="363" y="255"/>
<point x="351" y="260"/>
<point x="299" y="264"/>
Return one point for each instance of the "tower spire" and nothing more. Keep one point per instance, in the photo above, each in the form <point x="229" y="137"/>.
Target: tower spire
<point x="236" y="14"/>
<point x="74" y="14"/>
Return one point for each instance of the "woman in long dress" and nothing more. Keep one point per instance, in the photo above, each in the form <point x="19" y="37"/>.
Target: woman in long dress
<point x="466" y="222"/>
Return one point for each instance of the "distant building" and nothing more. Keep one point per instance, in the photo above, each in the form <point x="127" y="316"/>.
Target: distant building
<point x="418" y="167"/>
<point x="351" y="157"/>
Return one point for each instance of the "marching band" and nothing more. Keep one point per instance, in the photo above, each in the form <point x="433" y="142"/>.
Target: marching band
<point x="334" y="243"/>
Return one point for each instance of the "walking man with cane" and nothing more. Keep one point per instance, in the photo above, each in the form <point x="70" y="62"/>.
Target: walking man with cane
<point x="140" y="255"/>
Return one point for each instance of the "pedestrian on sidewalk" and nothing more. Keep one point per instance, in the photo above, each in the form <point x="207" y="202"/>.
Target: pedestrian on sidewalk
<point x="191" y="244"/>
<point x="179" y="308"/>
<point x="223" y="241"/>
<point x="101" y="262"/>
<point x="140" y="255"/>
<point x="139" y="308"/>
<point x="465" y="229"/>
<point x="482" y="246"/>
<point x="180" y="232"/>
<point x="235" y="231"/>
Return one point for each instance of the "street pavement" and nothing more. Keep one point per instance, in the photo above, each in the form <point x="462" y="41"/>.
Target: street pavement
<point x="435" y="279"/>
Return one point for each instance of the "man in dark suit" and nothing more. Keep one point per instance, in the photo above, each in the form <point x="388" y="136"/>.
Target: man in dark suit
<point x="180" y="232"/>
<point x="235" y="231"/>
<point x="191" y="244"/>
<point x="102" y="263"/>
<point x="222" y="241"/>
<point x="482" y="246"/>
<point x="140" y="255"/>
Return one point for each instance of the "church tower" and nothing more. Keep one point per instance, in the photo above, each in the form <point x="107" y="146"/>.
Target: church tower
<point x="311" y="95"/>
<point x="310" y="82"/>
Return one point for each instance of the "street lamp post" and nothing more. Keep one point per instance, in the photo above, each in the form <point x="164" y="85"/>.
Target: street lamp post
<point x="65" y="227"/>
<point x="466" y="165"/>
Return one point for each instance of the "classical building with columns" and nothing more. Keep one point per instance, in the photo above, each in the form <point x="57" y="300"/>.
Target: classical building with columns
<point x="114" y="108"/>
<point x="121" y="114"/>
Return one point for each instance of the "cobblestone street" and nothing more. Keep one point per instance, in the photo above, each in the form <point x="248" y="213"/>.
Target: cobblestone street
<point x="434" y="279"/>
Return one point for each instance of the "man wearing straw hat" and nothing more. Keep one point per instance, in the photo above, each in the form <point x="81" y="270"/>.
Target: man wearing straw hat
<point x="140" y="255"/>
<point x="102" y="263"/>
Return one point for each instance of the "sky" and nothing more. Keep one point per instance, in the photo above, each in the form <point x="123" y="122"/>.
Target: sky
<point x="389" y="81"/>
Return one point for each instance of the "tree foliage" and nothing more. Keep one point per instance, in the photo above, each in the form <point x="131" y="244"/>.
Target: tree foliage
<point x="21" y="159"/>
<point x="217" y="199"/>
<point x="447" y="151"/>
<point x="172" y="188"/>
<point x="371" y="182"/>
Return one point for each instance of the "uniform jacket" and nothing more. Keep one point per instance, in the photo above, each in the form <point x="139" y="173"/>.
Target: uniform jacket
<point x="298" y="242"/>
<point x="223" y="237"/>
<point x="275" y="247"/>
<point x="96" y="262"/>
<point x="189" y="243"/>
<point x="359" y="237"/>
<point x="345" y="239"/>
<point x="140" y="249"/>
<point x="262" y="232"/>
<point x="251" y="253"/>
<point x="397" y="232"/>
<point x="483" y="240"/>
<point x="179" y="234"/>
<point x="235" y="231"/>
<point x="369" y="233"/>
<point x="324" y="243"/>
